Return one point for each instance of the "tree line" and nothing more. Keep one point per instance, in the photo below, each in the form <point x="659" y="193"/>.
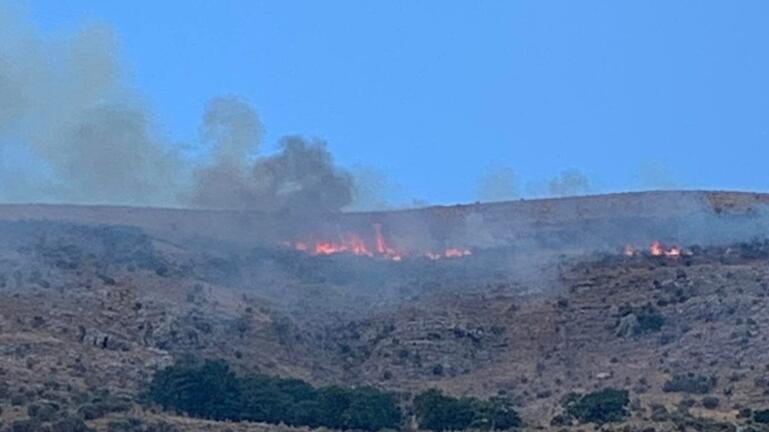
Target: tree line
<point x="212" y="390"/>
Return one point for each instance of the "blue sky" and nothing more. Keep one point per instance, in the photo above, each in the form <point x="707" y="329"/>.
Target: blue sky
<point x="434" y="93"/>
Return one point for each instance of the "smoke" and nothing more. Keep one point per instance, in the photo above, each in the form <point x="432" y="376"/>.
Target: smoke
<point x="655" y="175"/>
<point x="302" y="177"/>
<point x="373" y="190"/>
<point x="80" y="131"/>
<point x="76" y="132"/>
<point x="569" y="183"/>
<point x="499" y="184"/>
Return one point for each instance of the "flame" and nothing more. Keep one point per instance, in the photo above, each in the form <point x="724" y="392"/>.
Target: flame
<point x="354" y="244"/>
<point x="449" y="253"/>
<point x="656" y="248"/>
<point x="350" y="243"/>
<point x="381" y="245"/>
<point x="673" y="252"/>
<point x="456" y="253"/>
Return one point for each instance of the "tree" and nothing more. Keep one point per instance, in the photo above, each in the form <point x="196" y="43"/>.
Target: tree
<point x="209" y="390"/>
<point x="212" y="390"/>
<point x="602" y="406"/>
<point x="438" y="412"/>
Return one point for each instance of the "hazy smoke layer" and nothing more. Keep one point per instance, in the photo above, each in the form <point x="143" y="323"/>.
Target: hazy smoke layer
<point x="302" y="177"/>
<point x="655" y="175"/>
<point x="570" y="182"/>
<point x="78" y="130"/>
<point x="72" y="131"/>
<point x="499" y="184"/>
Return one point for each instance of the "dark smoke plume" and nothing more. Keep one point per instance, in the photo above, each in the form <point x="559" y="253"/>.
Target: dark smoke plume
<point x="300" y="178"/>
<point x="71" y="130"/>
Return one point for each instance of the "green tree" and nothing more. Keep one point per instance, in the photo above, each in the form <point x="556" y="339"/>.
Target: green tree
<point x="602" y="406"/>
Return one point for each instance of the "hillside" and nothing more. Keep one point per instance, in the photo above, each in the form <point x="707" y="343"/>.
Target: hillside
<point x="544" y="303"/>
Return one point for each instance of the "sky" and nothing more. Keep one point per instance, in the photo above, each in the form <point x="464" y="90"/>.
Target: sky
<point x="436" y="94"/>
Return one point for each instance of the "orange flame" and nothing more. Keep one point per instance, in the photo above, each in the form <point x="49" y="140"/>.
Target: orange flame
<point x="656" y="248"/>
<point x="456" y="253"/>
<point x="354" y="244"/>
<point x="673" y="252"/>
<point x="381" y="245"/>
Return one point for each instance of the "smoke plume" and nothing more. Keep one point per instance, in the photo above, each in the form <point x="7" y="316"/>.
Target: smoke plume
<point x="75" y="132"/>
<point x="568" y="183"/>
<point x="655" y="175"/>
<point x="499" y="184"/>
<point x="77" y="128"/>
<point x="300" y="178"/>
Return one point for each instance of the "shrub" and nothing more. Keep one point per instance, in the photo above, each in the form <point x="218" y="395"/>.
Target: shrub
<point x="44" y="411"/>
<point x="761" y="416"/>
<point x="438" y="412"/>
<point x="208" y="391"/>
<point x="649" y="321"/>
<point x="602" y="406"/>
<point x="211" y="390"/>
<point x="710" y="402"/>
<point x="70" y="424"/>
<point x="690" y="383"/>
<point x="26" y="425"/>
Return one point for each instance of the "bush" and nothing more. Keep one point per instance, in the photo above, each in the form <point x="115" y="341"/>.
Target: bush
<point x="710" y="402"/>
<point x="649" y="321"/>
<point x="602" y="406"/>
<point x="438" y="412"/>
<point x="70" y="424"/>
<point x="25" y="425"/>
<point x="211" y="390"/>
<point x="761" y="416"/>
<point x="690" y="383"/>
<point x="44" y="411"/>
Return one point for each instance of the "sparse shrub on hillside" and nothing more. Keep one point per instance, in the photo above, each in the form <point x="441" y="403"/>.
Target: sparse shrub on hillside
<point x="690" y="383"/>
<point x="100" y="408"/>
<point x="438" y="412"/>
<point x="710" y="402"/>
<point x="601" y="406"/>
<point x="649" y="321"/>
<point x="70" y="424"/>
<point x="212" y="390"/>
<point x="761" y="416"/>
<point x="437" y="369"/>
<point x="125" y="425"/>
<point x="638" y="320"/>
<point x="659" y="413"/>
<point x="43" y="411"/>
